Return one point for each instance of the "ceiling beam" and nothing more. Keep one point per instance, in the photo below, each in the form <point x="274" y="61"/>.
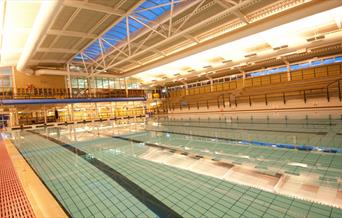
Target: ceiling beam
<point x="132" y="8"/>
<point x="160" y="21"/>
<point x="52" y="61"/>
<point x="71" y="33"/>
<point x="187" y="30"/>
<point x="145" y="47"/>
<point x="94" y="7"/>
<point x="119" y="3"/>
<point x="304" y="10"/>
<point x="228" y="4"/>
<point x="57" y="50"/>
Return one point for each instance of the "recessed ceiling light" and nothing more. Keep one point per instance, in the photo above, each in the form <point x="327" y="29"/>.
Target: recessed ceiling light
<point x="250" y="55"/>
<point x="227" y="61"/>
<point x="315" y="38"/>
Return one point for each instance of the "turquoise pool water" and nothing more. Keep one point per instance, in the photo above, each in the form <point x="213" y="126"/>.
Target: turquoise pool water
<point x="105" y="169"/>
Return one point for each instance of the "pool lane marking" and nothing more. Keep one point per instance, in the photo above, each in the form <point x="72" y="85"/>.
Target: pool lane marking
<point x="155" y="205"/>
<point x="263" y="144"/>
<point x="257" y="130"/>
<point x="239" y="122"/>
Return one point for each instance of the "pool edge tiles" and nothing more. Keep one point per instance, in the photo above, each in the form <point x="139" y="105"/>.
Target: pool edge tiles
<point x="43" y="202"/>
<point x="158" y="207"/>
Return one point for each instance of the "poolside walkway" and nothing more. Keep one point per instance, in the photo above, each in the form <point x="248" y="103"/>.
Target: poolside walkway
<point x="14" y="202"/>
<point x="22" y="193"/>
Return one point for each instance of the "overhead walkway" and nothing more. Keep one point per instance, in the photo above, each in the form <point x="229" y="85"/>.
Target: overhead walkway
<point x="55" y="93"/>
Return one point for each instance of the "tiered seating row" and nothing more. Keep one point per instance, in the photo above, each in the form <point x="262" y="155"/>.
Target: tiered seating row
<point x="305" y="84"/>
<point x="261" y="81"/>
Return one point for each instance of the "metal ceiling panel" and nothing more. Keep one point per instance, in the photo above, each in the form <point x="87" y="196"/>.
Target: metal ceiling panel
<point x="63" y="17"/>
<point x="65" y="42"/>
<point x="47" y="41"/>
<point x="85" y="20"/>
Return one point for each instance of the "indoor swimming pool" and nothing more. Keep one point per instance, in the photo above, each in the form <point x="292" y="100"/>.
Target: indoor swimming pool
<point x="194" y="166"/>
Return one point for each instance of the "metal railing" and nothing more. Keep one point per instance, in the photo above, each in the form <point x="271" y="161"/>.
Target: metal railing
<point x="332" y="90"/>
<point x="65" y="94"/>
<point x="330" y="85"/>
<point x="259" y="81"/>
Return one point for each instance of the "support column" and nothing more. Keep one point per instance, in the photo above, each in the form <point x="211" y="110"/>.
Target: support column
<point x="243" y="77"/>
<point x="211" y="83"/>
<point x="116" y="107"/>
<point x="71" y="112"/>
<point x="92" y="86"/>
<point x="288" y="69"/>
<point x="288" y="73"/>
<point x="45" y="115"/>
<point x="16" y="117"/>
<point x="12" y="119"/>
<point x="144" y="108"/>
<point x="14" y="85"/>
<point x="186" y="88"/>
<point x="112" y="110"/>
<point x="126" y="88"/>
<point x="96" y="111"/>
<point x="69" y="81"/>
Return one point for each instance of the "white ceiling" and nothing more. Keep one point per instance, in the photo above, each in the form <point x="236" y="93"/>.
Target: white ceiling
<point x="293" y="36"/>
<point x="16" y="21"/>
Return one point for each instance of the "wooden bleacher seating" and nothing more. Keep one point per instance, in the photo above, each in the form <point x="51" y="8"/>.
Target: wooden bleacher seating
<point x="312" y="82"/>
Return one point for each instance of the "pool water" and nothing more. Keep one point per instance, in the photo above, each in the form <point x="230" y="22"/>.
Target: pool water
<point x="182" y="167"/>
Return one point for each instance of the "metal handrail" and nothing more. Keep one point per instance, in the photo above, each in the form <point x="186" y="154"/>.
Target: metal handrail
<point x="338" y="81"/>
<point x="141" y="93"/>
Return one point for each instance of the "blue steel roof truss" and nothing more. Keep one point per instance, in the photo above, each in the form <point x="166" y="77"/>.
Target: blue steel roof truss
<point x="145" y="13"/>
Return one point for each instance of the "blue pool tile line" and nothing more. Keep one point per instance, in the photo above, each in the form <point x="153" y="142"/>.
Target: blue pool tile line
<point x="290" y="146"/>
